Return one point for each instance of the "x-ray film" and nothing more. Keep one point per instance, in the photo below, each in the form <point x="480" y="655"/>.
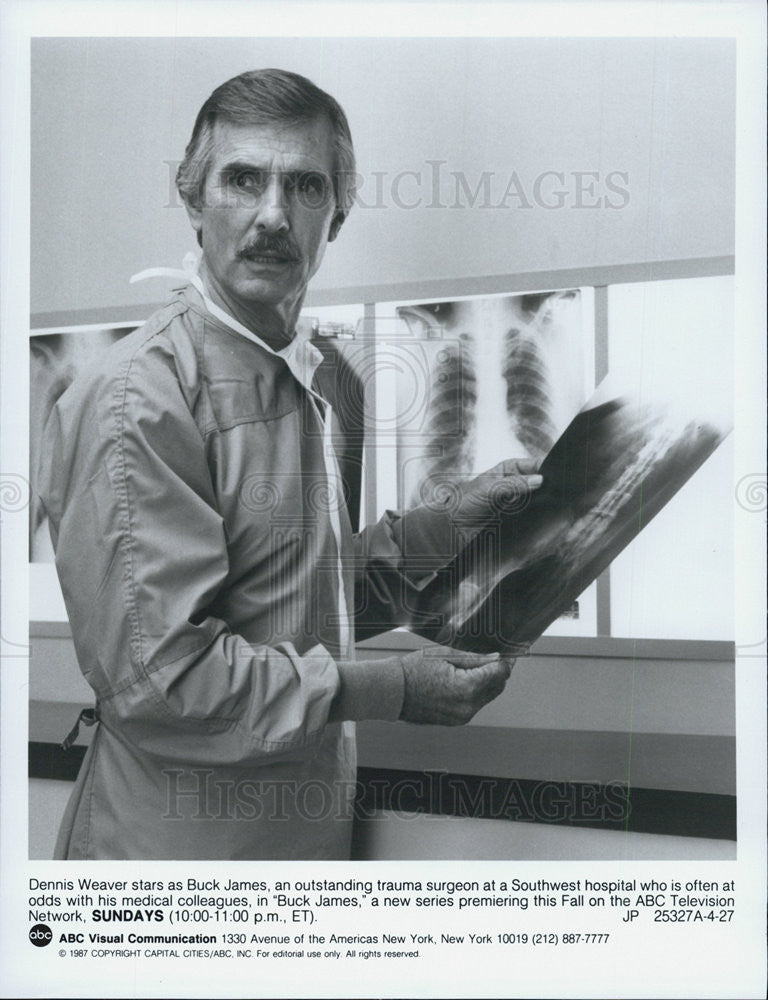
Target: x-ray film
<point x="613" y="469"/>
<point x="484" y="379"/>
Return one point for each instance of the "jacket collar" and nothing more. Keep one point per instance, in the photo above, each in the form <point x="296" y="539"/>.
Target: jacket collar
<point x="302" y="358"/>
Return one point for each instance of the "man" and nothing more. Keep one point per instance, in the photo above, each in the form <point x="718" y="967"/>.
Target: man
<point x="209" y="590"/>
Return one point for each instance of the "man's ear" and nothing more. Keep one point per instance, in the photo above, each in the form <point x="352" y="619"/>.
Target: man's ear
<point x="336" y="223"/>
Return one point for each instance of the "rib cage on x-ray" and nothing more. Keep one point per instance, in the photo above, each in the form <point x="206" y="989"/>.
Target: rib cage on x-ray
<point x="529" y="394"/>
<point x="502" y="377"/>
<point x="451" y="414"/>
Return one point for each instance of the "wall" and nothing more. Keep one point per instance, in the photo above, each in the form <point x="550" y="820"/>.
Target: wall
<point x="111" y="117"/>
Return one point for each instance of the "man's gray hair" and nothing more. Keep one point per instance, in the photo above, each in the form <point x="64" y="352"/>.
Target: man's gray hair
<point x="266" y="97"/>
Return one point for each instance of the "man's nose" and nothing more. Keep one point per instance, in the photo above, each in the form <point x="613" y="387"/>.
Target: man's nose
<point x="272" y="212"/>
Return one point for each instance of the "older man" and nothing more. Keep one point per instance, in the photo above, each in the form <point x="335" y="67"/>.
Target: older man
<point x="209" y="593"/>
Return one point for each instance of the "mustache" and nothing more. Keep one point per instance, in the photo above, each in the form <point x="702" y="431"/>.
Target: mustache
<point x="271" y="244"/>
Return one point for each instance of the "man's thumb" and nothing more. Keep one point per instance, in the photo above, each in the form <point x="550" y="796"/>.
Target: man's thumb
<point x="468" y="661"/>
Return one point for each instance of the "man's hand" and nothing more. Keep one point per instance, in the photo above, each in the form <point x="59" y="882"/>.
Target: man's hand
<point x="447" y="687"/>
<point x="452" y="511"/>
<point x="503" y="489"/>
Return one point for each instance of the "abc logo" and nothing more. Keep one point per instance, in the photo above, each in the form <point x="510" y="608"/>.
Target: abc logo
<point x="40" y="935"/>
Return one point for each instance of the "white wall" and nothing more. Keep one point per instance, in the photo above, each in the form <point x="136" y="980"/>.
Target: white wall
<point x="108" y="115"/>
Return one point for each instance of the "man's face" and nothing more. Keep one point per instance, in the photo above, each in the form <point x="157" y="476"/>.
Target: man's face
<point x="267" y="211"/>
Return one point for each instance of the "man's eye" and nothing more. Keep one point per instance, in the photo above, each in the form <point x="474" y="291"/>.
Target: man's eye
<point x="312" y="188"/>
<point x="248" y="180"/>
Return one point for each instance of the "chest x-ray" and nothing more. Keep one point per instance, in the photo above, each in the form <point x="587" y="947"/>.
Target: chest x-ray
<point x="497" y="378"/>
<point x="467" y="383"/>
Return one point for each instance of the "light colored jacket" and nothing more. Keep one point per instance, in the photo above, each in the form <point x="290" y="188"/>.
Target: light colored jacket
<point x="186" y="483"/>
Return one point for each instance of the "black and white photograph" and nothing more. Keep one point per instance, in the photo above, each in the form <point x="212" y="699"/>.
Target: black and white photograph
<point x="376" y="490"/>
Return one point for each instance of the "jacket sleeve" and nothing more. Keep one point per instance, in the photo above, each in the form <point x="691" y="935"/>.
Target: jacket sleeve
<point x="395" y="559"/>
<point x="142" y="552"/>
